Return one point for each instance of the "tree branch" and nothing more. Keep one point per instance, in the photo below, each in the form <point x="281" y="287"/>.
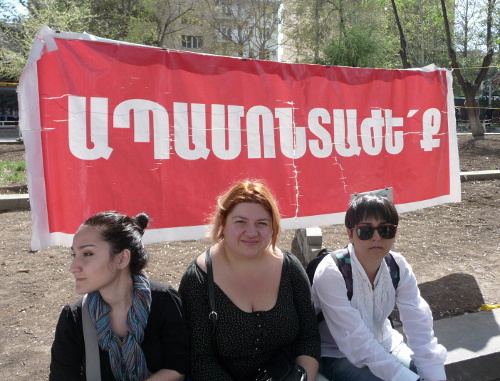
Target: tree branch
<point x="402" y="39"/>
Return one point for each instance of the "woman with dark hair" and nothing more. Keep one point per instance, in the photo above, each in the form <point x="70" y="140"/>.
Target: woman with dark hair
<point x="262" y="294"/>
<point x="357" y="340"/>
<point x="139" y="323"/>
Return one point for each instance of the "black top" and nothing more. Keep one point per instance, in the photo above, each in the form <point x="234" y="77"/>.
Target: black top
<point x="248" y="339"/>
<point x="165" y="343"/>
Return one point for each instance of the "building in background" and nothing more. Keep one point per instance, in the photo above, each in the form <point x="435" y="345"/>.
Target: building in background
<point x="239" y="28"/>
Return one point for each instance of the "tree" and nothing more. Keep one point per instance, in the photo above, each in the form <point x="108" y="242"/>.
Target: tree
<point x="341" y="31"/>
<point x="149" y="22"/>
<point x="403" y="51"/>
<point x="112" y="19"/>
<point x="168" y="17"/>
<point x="358" y="47"/>
<point x="419" y="24"/>
<point x="18" y="28"/>
<point x="308" y="25"/>
<point x="245" y="28"/>
<point x="266" y="19"/>
<point x="471" y="87"/>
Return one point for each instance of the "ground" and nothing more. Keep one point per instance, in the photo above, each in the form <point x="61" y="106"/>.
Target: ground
<point x="453" y="248"/>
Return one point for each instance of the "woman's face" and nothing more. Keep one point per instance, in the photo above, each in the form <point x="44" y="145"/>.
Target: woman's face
<point x="247" y="229"/>
<point x="373" y="249"/>
<point x="92" y="266"/>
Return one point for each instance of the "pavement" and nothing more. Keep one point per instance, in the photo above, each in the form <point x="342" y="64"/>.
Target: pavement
<point x="9" y="135"/>
<point x="473" y="344"/>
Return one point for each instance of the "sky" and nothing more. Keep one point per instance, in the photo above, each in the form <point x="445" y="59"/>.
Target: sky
<point x="15" y="3"/>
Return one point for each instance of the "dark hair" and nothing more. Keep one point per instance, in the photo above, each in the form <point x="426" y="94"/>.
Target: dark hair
<point x="246" y="191"/>
<point x="123" y="232"/>
<point x="371" y="206"/>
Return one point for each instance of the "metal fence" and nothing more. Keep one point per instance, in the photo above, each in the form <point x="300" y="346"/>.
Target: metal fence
<point x="9" y="130"/>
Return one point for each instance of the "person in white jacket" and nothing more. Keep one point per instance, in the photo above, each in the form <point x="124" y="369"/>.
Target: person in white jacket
<point x="357" y="339"/>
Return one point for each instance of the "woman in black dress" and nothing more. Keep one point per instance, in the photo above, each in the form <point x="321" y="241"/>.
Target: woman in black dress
<point x="262" y="294"/>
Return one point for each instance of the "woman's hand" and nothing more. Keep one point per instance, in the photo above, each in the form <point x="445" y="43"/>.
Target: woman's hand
<point x="166" y="375"/>
<point x="309" y="364"/>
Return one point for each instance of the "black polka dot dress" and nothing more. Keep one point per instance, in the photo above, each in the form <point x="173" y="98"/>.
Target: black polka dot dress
<point x="247" y="340"/>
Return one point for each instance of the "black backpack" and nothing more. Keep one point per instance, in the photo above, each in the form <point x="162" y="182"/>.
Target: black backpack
<point x="342" y="259"/>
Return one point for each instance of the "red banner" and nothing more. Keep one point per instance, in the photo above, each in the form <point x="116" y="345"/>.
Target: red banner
<point x="114" y="126"/>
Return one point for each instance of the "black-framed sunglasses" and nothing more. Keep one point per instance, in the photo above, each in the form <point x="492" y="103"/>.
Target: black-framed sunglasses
<point x="385" y="231"/>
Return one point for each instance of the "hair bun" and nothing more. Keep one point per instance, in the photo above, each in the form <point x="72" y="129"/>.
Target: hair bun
<point x="142" y="221"/>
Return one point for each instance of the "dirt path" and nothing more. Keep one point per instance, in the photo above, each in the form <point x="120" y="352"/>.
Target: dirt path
<point x="453" y="249"/>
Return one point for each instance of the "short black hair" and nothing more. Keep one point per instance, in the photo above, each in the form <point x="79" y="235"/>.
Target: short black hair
<point x="123" y="232"/>
<point x="368" y="207"/>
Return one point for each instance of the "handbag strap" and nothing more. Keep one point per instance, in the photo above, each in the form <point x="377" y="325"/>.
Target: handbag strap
<point x="92" y="361"/>
<point x="212" y="316"/>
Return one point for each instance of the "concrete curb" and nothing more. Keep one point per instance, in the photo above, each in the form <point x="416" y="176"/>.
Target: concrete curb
<point x="14" y="202"/>
<point x="480" y="175"/>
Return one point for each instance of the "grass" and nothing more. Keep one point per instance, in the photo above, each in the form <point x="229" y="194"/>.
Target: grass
<point x="12" y="171"/>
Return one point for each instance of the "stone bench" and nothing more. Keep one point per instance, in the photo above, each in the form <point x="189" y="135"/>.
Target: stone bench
<point x="473" y="344"/>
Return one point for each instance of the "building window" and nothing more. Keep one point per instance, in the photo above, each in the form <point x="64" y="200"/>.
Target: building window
<point x="226" y="10"/>
<point x="192" y="42"/>
<point x="225" y="34"/>
<point x="224" y="7"/>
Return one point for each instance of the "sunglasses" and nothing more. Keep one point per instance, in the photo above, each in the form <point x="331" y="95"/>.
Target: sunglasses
<point x="385" y="231"/>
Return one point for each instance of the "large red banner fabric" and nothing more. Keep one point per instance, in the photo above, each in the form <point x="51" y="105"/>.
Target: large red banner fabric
<point x="113" y="126"/>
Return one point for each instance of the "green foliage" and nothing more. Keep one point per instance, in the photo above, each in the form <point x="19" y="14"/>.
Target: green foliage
<point x="338" y="32"/>
<point x="17" y="29"/>
<point x="116" y="19"/>
<point x="422" y="22"/>
<point x="142" y="31"/>
<point x="341" y="32"/>
<point x="318" y="28"/>
<point x="139" y="21"/>
<point x="309" y="24"/>
<point x="357" y="48"/>
<point x="12" y="171"/>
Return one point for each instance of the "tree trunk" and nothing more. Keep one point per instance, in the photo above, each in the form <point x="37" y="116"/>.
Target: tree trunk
<point x="470" y="88"/>
<point x="402" y="38"/>
<point x="476" y="127"/>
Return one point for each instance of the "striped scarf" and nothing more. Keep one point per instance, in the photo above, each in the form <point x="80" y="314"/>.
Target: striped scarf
<point x="125" y="354"/>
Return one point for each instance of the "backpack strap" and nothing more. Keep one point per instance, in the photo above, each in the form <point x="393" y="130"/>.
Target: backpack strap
<point x="393" y="269"/>
<point x="342" y="259"/>
<point x="313" y="264"/>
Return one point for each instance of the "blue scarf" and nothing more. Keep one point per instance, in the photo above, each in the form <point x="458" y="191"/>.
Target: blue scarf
<point x="125" y="354"/>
